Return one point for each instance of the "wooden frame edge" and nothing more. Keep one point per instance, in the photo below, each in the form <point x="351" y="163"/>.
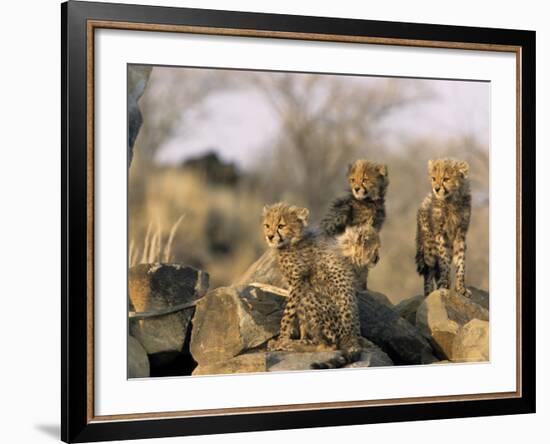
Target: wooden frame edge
<point x="92" y="25"/>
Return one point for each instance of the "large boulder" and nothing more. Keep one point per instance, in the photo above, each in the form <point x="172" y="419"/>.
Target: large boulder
<point x="163" y="297"/>
<point x="138" y="362"/>
<point x="472" y="342"/>
<point x="231" y="320"/>
<point x="397" y="337"/>
<point x="441" y="316"/>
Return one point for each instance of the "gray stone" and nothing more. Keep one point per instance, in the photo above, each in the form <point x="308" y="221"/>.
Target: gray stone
<point x="407" y="308"/>
<point x="382" y="298"/>
<point x="480" y="297"/>
<point x="442" y="314"/>
<point x="397" y="337"/>
<point x="138" y="362"/>
<point x="229" y="321"/>
<point x="160" y="288"/>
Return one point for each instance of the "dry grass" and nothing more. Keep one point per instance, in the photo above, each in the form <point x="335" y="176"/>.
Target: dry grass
<point x="218" y="231"/>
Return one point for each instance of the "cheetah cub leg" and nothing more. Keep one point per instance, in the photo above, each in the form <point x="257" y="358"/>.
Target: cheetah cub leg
<point x="459" y="260"/>
<point x="444" y="263"/>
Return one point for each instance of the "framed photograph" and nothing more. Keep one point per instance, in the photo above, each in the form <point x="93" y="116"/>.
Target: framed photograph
<point x="275" y="221"/>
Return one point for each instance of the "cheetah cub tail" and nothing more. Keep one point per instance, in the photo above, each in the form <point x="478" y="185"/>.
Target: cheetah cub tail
<point x="349" y="353"/>
<point x="345" y="358"/>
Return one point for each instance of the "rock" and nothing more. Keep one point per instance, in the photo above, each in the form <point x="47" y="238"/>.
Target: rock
<point x="157" y="288"/>
<point x="265" y="270"/>
<point x="248" y="363"/>
<point x="138" y="76"/>
<point x="230" y="320"/>
<point x="382" y="298"/>
<point x="441" y="315"/>
<point x="480" y="297"/>
<point x="472" y="342"/>
<point x="138" y="362"/>
<point x="407" y="308"/>
<point x="397" y="337"/>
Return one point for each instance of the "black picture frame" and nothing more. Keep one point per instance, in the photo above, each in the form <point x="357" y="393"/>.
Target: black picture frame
<point x="77" y="425"/>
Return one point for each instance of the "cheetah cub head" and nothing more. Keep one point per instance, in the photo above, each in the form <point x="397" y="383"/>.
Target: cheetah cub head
<point x="361" y="245"/>
<point x="367" y="179"/>
<point x="448" y="176"/>
<point x="283" y="224"/>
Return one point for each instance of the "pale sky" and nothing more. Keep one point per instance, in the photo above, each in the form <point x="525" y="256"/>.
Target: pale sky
<point x="239" y="123"/>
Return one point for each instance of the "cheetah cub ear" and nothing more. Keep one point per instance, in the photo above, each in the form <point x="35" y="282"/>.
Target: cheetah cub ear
<point x="383" y="170"/>
<point x="302" y="214"/>
<point x="463" y="168"/>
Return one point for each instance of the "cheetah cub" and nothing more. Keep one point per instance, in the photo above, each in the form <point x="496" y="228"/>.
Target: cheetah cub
<point x="361" y="246"/>
<point x="321" y="283"/>
<point x="442" y="223"/>
<point x="364" y="206"/>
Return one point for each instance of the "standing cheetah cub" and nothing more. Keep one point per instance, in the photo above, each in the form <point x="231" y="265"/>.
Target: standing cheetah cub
<point x="322" y="292"/>
<point x="364" y="206"/>
<point x="442" y="224"/>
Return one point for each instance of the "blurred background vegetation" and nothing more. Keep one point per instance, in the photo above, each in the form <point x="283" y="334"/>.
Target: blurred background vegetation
<point x="216" y="145"/>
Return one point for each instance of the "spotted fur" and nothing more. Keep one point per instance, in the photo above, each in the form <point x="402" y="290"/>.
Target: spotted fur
<point x="442" y="224"/>
<point x="360" y="214"/>
<point x="322" y="297"/>
<point x="361" y="246"/>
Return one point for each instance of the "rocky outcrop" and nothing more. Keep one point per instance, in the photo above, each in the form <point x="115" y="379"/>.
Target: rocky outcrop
<point x="231" y="320"/>
<point x="397" y="337"/>
<point x="181" y="327"/>
<point x="443" y="314"/>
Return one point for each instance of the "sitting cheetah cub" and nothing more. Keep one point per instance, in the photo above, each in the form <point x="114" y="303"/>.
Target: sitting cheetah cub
<point x="361" y="246"/>
<point x="322" y="292"/>
<point x="442" y="224"/>
<point x="363" y="207"/>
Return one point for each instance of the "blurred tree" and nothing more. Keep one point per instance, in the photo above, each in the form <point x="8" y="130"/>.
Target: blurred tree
<point x="325" y="123"/>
